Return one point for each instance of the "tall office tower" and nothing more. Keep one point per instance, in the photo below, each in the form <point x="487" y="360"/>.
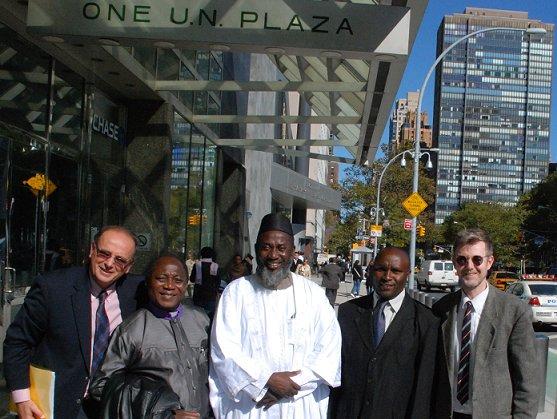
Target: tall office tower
<point x="402" y="128"/>
<point x="492" y="109"/>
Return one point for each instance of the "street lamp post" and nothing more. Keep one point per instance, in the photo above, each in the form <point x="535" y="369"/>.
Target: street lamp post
<point x="403" y="162"/>
<point x="419" y="122"/>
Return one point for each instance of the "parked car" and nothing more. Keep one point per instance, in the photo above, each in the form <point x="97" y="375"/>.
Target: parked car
<point x="541" y="296"/>
<point x="501" y="279"/>
<point x="437" y="273"/>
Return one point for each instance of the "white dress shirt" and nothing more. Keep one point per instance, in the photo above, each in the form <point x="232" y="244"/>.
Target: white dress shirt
<point x="478" y="303"/>
<point x="391" y="308"/>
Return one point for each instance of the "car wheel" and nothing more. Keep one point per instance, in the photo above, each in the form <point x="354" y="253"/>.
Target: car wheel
<point x="452" y="289"/>
<point x="538" y="327"/>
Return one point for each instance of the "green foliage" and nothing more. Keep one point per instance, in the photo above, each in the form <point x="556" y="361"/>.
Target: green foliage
<point x="359" y="190"/>
<point x="539" y="230"/>
<point x="502" y="223"/>
<point x="340" y="241"/>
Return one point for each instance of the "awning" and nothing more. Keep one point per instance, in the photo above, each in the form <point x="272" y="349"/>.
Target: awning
<point x="350" y="78"/>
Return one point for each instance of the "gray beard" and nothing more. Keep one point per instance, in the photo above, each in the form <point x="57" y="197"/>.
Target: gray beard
<point x="271" y="279"/>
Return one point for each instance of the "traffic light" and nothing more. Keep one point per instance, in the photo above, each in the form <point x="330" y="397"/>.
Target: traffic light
<point x="194" y="220"/>
<point x="421" y="231"/>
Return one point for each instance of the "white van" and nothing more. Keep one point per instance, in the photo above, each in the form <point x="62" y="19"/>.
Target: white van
<point x="437" y="273"/>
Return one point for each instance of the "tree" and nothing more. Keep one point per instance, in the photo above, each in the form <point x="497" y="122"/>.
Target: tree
<point x="359" y="193"/>
<point x="539" y="230"/>
<point x="502" y="223"/>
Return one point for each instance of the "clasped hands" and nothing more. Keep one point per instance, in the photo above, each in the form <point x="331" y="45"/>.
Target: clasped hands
<point x="279" y="386"/>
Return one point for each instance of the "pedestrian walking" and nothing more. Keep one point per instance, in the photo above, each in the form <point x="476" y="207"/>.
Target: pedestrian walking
<point x="331" y="277"/>
<point x="357" y="276"/>
<point x="304" y="269"/>
<point x="368" y="276"/>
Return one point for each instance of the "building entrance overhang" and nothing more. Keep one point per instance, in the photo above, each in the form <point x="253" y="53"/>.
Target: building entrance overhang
<point x="346" y="58"/>
<point x="289" y="187"/>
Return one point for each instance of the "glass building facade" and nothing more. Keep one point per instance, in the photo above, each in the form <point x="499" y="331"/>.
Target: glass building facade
<point x="492" y="109"/>
<point x="55" y="124"/>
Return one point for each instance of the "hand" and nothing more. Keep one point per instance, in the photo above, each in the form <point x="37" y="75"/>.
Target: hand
<point x="281" y="384"/>
<point x="184" y="414"/>
<point x="267" y="401"/>
<point x="29" y="410"/>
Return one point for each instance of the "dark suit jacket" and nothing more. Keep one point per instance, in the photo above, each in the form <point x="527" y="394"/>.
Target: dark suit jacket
<point x="394" y="381"/>
<point x="505" y="378"/>
<point x="53" y="330"/>
<point x="331" y="276"/>
<point x="207" y="291"/>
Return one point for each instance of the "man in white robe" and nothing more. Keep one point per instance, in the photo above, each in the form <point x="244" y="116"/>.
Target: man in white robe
<point x="276" y="342"/>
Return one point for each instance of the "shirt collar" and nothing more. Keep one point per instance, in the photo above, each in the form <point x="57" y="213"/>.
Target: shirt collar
<point x="163" y="314"/>
<point x="395" y="302"/>
<point x="96" y="289"/>
<point x="478" y="301"/>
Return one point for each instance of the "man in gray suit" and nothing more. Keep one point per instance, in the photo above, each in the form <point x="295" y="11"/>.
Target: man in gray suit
<point x="488" y="340"/>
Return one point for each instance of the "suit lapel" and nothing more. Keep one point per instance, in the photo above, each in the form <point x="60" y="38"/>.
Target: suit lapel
<point x="486" y="328"/>
<point x="364" y="323"/>
<point x="81" y="304"/>
<point x="448" y="329"/>
<point x="127" y="305"/>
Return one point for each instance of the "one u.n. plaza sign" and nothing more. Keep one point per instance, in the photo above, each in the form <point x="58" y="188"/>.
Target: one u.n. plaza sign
<point x="300" y="27"/>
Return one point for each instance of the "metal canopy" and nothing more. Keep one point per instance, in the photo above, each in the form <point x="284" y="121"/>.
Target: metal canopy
<point x="352" y="96"/>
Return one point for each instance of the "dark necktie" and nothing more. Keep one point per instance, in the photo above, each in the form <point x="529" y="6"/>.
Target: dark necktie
<point x="379" y="322"/>
<point x="102" y="334"/>
<point x="463" y="377"/>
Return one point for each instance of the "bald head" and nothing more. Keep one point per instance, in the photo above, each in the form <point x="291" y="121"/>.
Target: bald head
<point x="392" y="250"/>
<point x="390" y="271"/>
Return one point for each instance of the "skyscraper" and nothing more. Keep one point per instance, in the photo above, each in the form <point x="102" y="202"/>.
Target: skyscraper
<point x="492" y="109"/>
<point x="402" y="128"/>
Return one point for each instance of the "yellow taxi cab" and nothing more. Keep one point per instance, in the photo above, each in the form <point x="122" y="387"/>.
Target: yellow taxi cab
<point x="501" y="279"/>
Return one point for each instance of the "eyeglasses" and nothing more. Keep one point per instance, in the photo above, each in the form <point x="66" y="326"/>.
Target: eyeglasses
<point x="119" y="262"/>
<point x="476" y="260"/>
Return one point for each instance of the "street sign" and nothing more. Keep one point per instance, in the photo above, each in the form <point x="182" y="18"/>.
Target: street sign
<point x="143" y="241"/>
<point x="376" y="230"/>
<point x="407" y="224"/>
<point x="362" y="237"/>
<point x="414" y="204"/>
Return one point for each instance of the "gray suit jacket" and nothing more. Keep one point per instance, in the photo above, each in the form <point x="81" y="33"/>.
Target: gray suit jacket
<point x="505" y="379"/>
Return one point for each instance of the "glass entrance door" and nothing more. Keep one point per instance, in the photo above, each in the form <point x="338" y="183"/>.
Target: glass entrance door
<point x="23" y="159"/>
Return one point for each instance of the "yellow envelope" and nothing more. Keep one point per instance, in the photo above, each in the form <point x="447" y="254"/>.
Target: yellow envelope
<point x="42" y="390"/>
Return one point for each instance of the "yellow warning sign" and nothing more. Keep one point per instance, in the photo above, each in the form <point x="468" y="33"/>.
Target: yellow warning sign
<point x="414" y="204"/>
<point x="39" y="183"/>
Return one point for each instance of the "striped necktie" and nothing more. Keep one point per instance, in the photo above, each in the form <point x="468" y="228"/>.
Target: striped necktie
<point x="463" y="377"/>
<point x="102" y="334"/>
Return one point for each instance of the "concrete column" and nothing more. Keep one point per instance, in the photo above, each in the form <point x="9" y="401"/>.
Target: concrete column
<point x="148" y="171"/>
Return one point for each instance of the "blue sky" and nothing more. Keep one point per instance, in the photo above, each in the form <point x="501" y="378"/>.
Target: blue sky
<point x="423" y="52"/>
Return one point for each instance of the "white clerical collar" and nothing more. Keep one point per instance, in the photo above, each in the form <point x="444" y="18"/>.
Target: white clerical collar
<point x="478" y="301"/>
<point x="395" y="302"/>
